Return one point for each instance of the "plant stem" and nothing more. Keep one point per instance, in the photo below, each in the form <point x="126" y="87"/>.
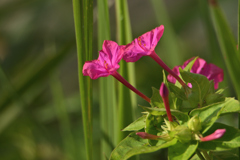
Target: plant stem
<point x="82" y="13"/>
<point x="206" y="155"/>
<point x="156" y="58"/>
<point x="127" y="84"/>
<point x="200" y="155"/>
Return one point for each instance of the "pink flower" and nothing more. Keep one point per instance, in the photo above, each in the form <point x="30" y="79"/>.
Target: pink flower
<point x="107" y="62"/>
<point x="211" y="71"/>
<point x="144" y="45"/>
<point x="217" y="134"/>
<point x="164" y="94"/>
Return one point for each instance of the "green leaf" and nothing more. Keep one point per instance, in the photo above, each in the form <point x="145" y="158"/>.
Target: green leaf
<point x="232" y="105"/>
<point x="180" y="93"/>
<point x="230" y="140"/>
<point x="136" y="125"/>
<point x="214" y="98"/>
<point x="208" y="115"/>
<point x="133" y="145"/>
<point x="151" y="128"/>
<point x="181" y="117"/>
<point x="200" y="87"/>
<point x="182" y="151"/>
<point x="156" y="99"/>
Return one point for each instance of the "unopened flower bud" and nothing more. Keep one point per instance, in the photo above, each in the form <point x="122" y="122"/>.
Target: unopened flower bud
<point x="170" y="125"/>
<point x="217" y="134"/>
<point x="183" y="134"/>
<point x="195" y="124"/>
<point x="164" y="93"/>
<point x="145" y="135"/>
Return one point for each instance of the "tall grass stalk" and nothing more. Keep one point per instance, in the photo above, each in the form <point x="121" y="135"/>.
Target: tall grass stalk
<point x="82" y="12"/>
<point x="212" y="42"/>
<point x="125" y="110"/>
<point x="227" y="44"/>
<point x="108" y="108"/>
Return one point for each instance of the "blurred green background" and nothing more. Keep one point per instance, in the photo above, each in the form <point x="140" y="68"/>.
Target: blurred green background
<point x="40" y="113"/>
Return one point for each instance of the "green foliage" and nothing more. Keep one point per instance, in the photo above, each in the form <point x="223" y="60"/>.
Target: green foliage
<point x="182" y="151"/>
<point x="203" y="103"/>
<point x="136" y="125"/>
<point x="133" y="145"/>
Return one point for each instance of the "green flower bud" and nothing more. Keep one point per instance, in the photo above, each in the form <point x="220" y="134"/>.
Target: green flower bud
<point x="195" y="124"/>
<point x="183" y="134"/>
<point x="169" y="125"/>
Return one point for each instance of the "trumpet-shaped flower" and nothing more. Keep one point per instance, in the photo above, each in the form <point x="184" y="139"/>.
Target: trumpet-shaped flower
<point x="217" y="134"/>
<point x="107" y="62"/>
<point x="200" y="66"/>
<point x="144" y="45"/>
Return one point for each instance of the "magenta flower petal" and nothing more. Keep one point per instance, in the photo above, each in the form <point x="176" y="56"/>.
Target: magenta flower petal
<point x="107" y="62"/>
<point x="200" y="66"/>
<point x="217" y="134"/>
<point x="143" y="45"/>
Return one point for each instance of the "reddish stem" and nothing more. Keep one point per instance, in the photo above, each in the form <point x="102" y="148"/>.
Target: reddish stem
<point x="127" y="84"/>
<point x="167" y="107"/>
<point x="156" y="58"/>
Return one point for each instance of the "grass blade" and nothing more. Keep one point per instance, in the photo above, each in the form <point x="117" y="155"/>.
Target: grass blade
<point x="227" y="44"/>
<point x="125" y="115"/>
<point x="108" y="106"/>
<point x="82" y="12"/>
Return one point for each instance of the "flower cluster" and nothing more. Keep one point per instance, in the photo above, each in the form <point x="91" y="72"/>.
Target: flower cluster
<point x="157" y="127"/>
<point x="111" y="54"/>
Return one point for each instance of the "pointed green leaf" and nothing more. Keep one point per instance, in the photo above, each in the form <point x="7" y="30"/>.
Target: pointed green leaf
<point x="156" y="99"/>
<point x="177" y="91"/>
<point x="133" y="145"/>
<point x="231" y="138"/>
<point x="232" y="105"/>
<point x="200" y="87"/>
<point x="137" y="124"/>
<point x="182" y="151"/>
<point x="208" y="115"/>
